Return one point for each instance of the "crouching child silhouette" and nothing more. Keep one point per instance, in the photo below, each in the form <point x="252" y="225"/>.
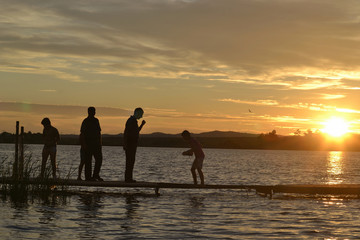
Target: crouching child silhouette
<point x="196" y="149"/>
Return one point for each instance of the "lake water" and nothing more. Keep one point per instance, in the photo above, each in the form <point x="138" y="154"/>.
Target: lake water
<point x="195" y="213"/>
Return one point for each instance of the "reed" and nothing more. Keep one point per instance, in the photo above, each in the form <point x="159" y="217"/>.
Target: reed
<point x="31" y="169"/>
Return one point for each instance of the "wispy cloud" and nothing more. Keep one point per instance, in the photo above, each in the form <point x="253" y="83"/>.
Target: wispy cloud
<point x="344" y="110"/>
<point x="285" y="119"/>
<point x="266" y="53"/>
<point x="332" y="96"/>
<point x="258" y="102"/>
<point x="170" y="39"/>
<point x="47" y="90"/>
<point x="309" y="106"/>
<point x="67" y="111"/>
<point x="151" y="88"/>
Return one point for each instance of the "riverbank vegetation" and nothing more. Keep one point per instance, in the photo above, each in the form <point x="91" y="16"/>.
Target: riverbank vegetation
<point x="228" y="140"/>
<point x="19" y="189"/>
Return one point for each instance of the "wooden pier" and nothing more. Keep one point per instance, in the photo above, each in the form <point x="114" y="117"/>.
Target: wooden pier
<point x="268" y="190"/>
<point x="313" y="189"/>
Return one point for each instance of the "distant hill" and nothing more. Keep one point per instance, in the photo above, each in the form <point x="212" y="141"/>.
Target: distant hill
<point x="228" y="134"/>
<point x="212" y="134"/>
<point x="218" y="139"/>
<point x="213" y="139"/>
<point x="159" y="135"/>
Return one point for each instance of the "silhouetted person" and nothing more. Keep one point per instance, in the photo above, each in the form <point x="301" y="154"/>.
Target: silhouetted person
<point x="51" y="138"/>
<point x="131" y="136"/>
<point x="90" y="140"/>
<point x="199" y="155"/>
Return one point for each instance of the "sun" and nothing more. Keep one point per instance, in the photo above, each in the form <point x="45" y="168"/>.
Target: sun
<point x="336" y="127"/>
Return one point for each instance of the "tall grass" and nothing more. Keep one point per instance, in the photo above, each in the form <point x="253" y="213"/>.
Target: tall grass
<point x="21" y="188"/>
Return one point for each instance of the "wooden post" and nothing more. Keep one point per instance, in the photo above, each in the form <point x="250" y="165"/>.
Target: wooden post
<point x="16" y="161"/>
<point x="21" y="159"/>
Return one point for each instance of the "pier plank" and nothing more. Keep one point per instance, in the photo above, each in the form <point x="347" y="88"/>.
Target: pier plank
<point x="333" y="189"/>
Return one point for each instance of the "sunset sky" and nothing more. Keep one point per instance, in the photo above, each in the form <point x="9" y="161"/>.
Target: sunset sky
<point x="202" y="65"/>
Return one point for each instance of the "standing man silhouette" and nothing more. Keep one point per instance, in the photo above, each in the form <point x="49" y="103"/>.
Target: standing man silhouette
<point x="51" y="138"/>
<point x="131" y="136"/>
<point x="90" y="140"/>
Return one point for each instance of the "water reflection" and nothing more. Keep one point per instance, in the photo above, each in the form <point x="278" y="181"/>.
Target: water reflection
<point x="48" y="215"/>
<point x="197" y="202"/>
<point x="89" y="215"/>
<point x="49" y="204"/>
<point x="131" y="206"/>
<point x="334" y="167"/>
<point x="195" y="212"/>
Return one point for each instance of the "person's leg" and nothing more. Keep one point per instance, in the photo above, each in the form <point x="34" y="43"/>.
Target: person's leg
<point x="82" y="163"/>
<point x="53" y="161"/>
<point x="199" y="164"/>
<point x="45" y="155"/>
<point x="193" y="167"/>
<point x="201" y="175"/>
<point x="98" y="162"/>
<point x="88" y="156"/>
<point x="130" y="162"/>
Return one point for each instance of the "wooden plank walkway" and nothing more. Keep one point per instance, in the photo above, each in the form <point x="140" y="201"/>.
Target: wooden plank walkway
<point x="322" y="189"/>
<point x="119" y="184"/>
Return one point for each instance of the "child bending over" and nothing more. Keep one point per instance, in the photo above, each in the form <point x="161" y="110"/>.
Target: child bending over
<point x="199" y="155"/>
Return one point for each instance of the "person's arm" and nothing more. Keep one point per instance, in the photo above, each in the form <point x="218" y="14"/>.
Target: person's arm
<point x="100" y="138"/>
<point x="82" y="141"/>
<point x="57" y="136"/>
<point x="189" y="152"/>
<point x="82" y="136"/>
<point x="142" y="124"/>
<point x="125" y="137"/>
<point x="125" y="143"/>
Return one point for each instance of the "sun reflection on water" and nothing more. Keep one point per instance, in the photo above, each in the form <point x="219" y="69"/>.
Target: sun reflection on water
<point x="334" y="167"/>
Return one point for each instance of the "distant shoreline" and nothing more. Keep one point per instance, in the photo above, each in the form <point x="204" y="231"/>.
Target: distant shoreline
<point x="216" y="139"/>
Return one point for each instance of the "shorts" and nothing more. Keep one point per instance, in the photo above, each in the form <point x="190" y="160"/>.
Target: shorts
<point x="198" y="162"/>
<point x="49" y="150"/>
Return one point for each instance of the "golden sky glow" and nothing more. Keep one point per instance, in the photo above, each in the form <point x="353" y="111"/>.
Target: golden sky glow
<point x="199" y="65"/>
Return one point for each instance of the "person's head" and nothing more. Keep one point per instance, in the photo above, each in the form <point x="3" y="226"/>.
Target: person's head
<point x="46" y="122"/>
<point x="91" y="111"/>
<point x="138" y="113"/>
<point x="185" y="134"/>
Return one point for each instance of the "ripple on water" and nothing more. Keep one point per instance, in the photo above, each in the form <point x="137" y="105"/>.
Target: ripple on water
<point x="192" y="214"/>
